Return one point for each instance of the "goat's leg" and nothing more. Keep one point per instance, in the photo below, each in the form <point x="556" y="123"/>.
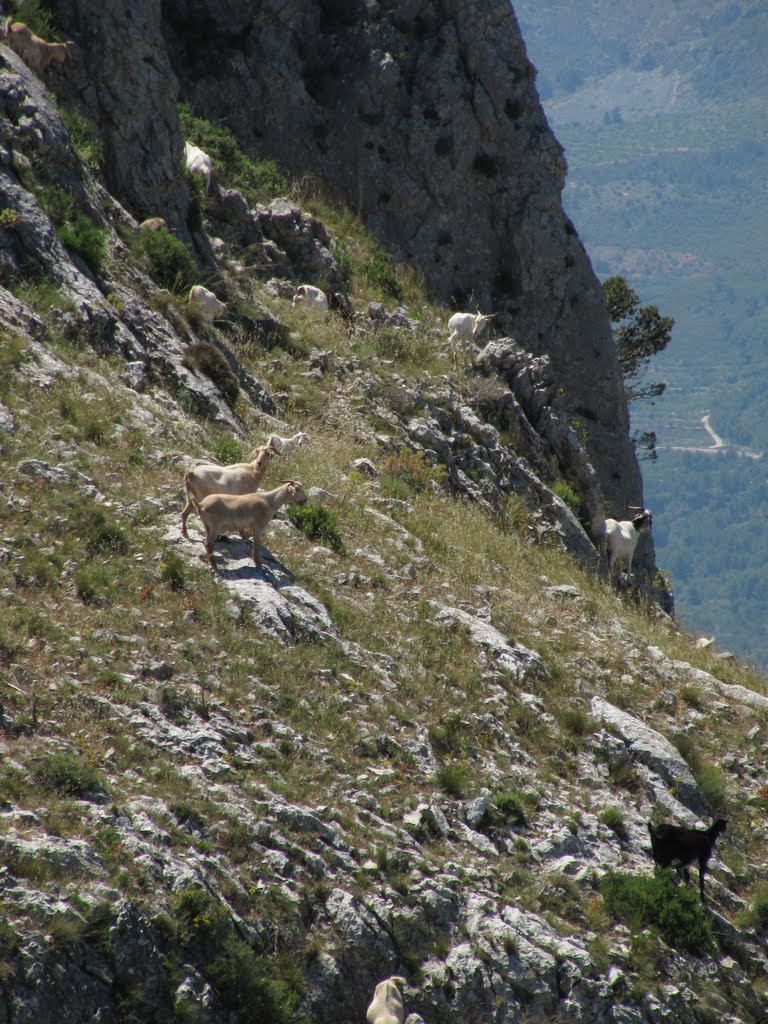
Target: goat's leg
<point x="189" y="507"/>
<point x="256" y="548"/>
<point x="209" y="542"/>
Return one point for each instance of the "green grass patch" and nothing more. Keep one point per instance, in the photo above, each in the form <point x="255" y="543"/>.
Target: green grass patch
<point x="660" y="902"/>
<point x="75" y="230"/>
<point x="86" y="144"/>
<point x="66" y="774"/>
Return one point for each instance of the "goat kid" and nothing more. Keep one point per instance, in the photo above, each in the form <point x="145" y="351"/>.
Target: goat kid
<point x="238" y="478"/>
<point x="246" y="512"/>
<point x="677" y="846"/>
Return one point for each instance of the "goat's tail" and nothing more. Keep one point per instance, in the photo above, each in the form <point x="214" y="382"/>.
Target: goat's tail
<point x="188" y="489"/>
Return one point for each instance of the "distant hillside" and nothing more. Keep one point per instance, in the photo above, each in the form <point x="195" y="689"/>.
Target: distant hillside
<point x="663" y="115"/>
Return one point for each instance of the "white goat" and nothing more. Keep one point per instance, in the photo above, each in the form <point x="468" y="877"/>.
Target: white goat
<point x="618" y="539"/>
<point x="246" y="512"/>
<point x="465" y="328"/>
<point x="209" y="305"/>
<point x="387" y="1005"/>
<point x="198" y="162"/>
<point x="311" y="297"/>
<point x="36" y="53"/>
<point x="287" y="445"/>
<point x="239" y="478"/>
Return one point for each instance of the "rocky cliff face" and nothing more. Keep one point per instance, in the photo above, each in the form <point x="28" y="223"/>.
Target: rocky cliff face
<point x="425" y="120"/>
<point x="414" y="743"/>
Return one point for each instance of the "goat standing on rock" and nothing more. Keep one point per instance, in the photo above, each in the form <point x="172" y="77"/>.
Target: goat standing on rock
<point x="464" y="328"/>
<point x="238" y="478"/>
<point x="617" y="539"/>
<point x="677" y="846"/>
<point x="246" y="512"/>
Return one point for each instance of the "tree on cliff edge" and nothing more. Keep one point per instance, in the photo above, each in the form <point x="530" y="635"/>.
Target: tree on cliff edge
<point x="639" y="332"/>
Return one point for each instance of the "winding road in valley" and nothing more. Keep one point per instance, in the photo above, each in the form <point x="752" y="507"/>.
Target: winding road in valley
<point x="717" y="443"/>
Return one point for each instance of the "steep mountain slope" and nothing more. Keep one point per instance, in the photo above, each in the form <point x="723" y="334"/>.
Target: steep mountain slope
<point x="425" y="739"/>
<point x="447" y="126"/>
<point x="667" y="143"/>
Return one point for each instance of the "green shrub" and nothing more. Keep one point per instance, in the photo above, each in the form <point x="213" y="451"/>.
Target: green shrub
<point x="613" y="819"/>
<point x="101" y="535"/>
<point x="449" y="736"/>
<point x="227" y="450"/>
<point x="452" y="779"/>
<point x="170" y="263"/>
<point x="377" y="270"/>
<point x="659" y="902"/>
<point x="567" y="494"/>
<point x="172" y="571"/>
<point x="317" y="524"/>
<point x="757" y="914"/>
<point x="35" y="15"/>
<point x="86" y="239"/>
<point x="245" y="983"/>
<point x="66" y="774"/>
<point x="411" y="469"/>
<point x="340" y="252"/>
<point x="576" y="721"/>
<point x="509" y="807"/>
<point x="89" y="584"/>
<point x="9" y="218"/>
<point x="710" y="779"/>
<point x="86" y="144"/>
<point x="75" y="230"/>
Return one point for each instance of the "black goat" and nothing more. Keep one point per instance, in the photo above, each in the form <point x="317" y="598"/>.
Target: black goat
<point x="677" y="846"/>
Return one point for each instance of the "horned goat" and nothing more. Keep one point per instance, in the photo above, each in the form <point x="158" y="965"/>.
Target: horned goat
<point x="311" y="297"/>
<point x="465" y="328"/>
<point x="36" y="53"/>
<point x="239" y="478"/>
<point x="246" y="512"/>
<point x="198" y="162"/>
<point x="617" y="539"/>
<point x="387" y="1005"/>
<point x="677" y="846"/>
<point x="209" y="305"/>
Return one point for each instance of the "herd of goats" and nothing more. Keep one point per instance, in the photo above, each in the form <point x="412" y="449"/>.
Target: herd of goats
<point x="227" y="498"/>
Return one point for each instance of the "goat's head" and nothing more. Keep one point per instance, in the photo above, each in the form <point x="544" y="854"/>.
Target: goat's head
<point x="262" y="456"/>
<point x="481" y="319"/>
<point x="643" y="521"/>
<point x="296" y="493"/>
